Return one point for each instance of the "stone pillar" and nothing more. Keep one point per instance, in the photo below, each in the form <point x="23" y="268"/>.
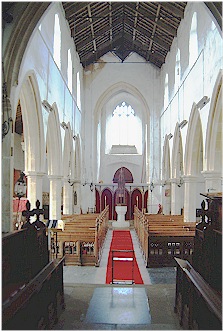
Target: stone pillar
<point x="67" y="198"/>
<point x="154" y="198"/>
<point x="213" y="181"/>
<point x="166" y="193"/>
<point x="7" y="183"/>
<point x="34" y="187"/>
<point x="176" y="197"/>
<point x="76" y="198"/>
<point x="55" y="198"/>
<point x="190" y="198"/>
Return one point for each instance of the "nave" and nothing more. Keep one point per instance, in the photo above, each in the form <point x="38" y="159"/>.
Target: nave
<point x="90" y="304"/>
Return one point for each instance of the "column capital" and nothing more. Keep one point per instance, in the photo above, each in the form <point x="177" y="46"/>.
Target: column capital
<point x="190" y="178"/>
<point x="34" y="174"/>
<point x="211" y="174"/>
<point x="55" y="177"/>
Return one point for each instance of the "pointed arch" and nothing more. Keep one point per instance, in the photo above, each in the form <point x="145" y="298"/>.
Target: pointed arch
<point x="34" y="141"/>
<point x="109" y="99"/>
<point x="213" y="151"/>
<point x="54" y="143"/>
<point x="106" y="199"/>
<point x="193" y="164"/>
<point x="127" y="175"/>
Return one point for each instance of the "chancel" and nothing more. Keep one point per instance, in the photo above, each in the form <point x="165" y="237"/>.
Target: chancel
<point x="112" y="165"/>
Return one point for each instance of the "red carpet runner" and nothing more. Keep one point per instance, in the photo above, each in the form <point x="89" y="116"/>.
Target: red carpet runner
<point x="122" y="240"/>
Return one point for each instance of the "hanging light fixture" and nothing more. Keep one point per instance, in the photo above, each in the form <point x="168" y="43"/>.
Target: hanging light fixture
<point x="20" y="186"/>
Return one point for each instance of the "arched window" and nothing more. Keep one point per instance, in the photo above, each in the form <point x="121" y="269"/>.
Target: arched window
<point x="78" y="91"/>
<point x="166" y="92"/>
<point x="193" y="45"/>
<point x="124" y="128"/>
<point x="57" y="42"/>
<point x="69" y="70"/>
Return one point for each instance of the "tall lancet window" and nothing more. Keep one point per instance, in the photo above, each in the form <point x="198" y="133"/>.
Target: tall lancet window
<point x="177" y="71"/>
<point x="166" y="92"/>
<point x="193" y="45"/>
<point x="57" y="42"/>
<point x="78" y="91"/>
<point x="124" y="129"/>
<point x="69" y="70"/>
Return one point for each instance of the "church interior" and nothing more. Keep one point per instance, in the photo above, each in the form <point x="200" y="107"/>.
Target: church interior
<point x="111" y="165"/>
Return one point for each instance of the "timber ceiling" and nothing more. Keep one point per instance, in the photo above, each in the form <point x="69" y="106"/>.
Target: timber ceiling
<point x="146" y="28"/>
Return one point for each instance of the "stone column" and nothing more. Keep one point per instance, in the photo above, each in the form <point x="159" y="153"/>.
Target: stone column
<point x="7" y="183"/>
<point x="190" y="198"/>
<point x="34" y="187"/>
<point x="67" y="198"/>
<point x="176" y="197"/>
<point x="76" y="198"/>
<point x="166" y="193"/>
<point x="55" y="198"/>
<point x="213" y="181"/>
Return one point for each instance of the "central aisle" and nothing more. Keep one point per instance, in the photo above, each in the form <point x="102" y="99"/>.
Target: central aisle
<point x="97" y="275"/>
<point x="122" y="264"/>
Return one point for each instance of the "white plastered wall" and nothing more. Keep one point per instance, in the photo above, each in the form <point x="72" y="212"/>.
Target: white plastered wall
<point x="196" y="80"/>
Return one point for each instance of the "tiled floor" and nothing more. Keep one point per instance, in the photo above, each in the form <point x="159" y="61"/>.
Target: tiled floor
<point x="93" y="305"/>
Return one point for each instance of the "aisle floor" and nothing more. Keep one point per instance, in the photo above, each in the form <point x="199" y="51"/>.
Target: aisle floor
<point x="93" y="305"/>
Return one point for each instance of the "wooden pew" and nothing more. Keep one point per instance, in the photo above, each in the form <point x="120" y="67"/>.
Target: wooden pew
<point x="164" y="238"/>
<point x="82" y="240"/>
<point x="197" y="304"/>
<point x="32" y="287"/>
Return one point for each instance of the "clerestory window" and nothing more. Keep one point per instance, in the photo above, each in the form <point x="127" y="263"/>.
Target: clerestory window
<point x="57" y="42"/>
<point x="69" y="70"/>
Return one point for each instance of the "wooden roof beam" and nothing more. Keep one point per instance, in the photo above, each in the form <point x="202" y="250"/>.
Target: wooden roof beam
<point x="172" y="9"/>
<point x="75" y="8"/>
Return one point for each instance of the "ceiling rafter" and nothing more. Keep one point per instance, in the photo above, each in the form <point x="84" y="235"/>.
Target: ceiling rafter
<point x="146" y="28"/>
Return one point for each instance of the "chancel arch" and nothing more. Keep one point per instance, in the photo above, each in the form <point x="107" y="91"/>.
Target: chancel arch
<point x="105" y="106"/>
<point x="34" y="142"/>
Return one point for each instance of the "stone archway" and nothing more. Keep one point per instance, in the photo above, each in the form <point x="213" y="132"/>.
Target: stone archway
<point x="34" y="138"/>
<point x="213" y="151"/>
